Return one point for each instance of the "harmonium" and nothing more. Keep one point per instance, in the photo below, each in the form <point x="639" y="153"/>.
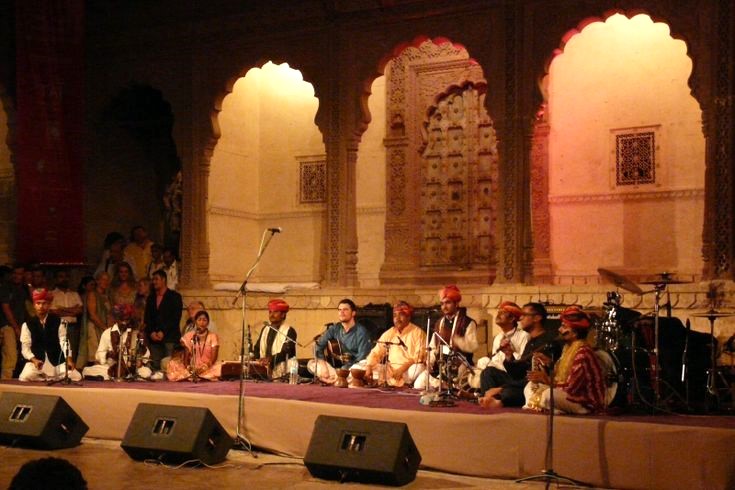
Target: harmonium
<point x="253" y="370"/>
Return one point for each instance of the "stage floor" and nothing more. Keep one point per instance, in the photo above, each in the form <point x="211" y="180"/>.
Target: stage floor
<point x="607" y="451"/>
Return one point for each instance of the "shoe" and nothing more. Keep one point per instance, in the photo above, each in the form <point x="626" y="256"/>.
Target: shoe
<point x="157" y="376"/>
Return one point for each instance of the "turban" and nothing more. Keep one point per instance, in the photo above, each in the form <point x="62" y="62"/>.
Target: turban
<point x="42" y="294"/>
<point x="403" y="307"/>
<point x="451" y="293"/>
<point x="574" y="317"/>
<point x="512" y="308"/>
<point x="277" y="305"/>
<point x="123" y="311"/>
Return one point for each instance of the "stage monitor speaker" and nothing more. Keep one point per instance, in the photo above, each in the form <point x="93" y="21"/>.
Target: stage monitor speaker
<point x="175" y="434"/>
<point x="367" y="451"/>
<point x="39" y="421"/>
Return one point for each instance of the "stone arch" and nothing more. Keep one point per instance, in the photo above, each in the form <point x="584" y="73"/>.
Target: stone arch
<point x="274" y="177"/>
<point x="539" y="178"/>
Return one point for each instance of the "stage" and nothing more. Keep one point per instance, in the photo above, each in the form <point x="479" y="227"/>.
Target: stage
<point x="625" y="451"/>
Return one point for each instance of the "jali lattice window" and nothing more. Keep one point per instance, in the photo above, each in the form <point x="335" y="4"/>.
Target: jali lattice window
<point x="635" y="158"/>
<point x="313" y="180"/>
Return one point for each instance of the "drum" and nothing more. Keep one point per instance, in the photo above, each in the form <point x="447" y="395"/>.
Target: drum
<point x="611" y="372"/>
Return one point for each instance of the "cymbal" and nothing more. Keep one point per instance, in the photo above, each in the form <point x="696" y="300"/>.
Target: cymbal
<point x="620" y="281"/>
<point x="714" y="314"/>
<point x="665" y="278"/>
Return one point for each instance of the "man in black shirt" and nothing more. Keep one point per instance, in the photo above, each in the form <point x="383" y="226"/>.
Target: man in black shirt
<point x="505" y="388"/>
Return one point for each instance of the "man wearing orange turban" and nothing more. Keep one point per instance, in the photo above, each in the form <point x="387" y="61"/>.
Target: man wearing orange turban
<point x="44" y="345"/>
<point x="401" y="348"/>
<point x="454" y="331"/>
<point x="273" y="347"/>
<point x="578" y="383"/>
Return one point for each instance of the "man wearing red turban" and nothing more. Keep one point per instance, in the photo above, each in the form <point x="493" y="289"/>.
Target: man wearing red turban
<point x="44" y="345"/>
<point x="578" y="383"/>
<point x="454" y="332"/>
<point x="273" y="348"/>
<point x="400" y="349"/>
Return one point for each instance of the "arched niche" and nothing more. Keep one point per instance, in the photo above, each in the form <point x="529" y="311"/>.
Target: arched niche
<point x="618" y="155"/>
<point x="434" y="139"/>
<point x="267" y="169"/>
<point x="134" y="174"/>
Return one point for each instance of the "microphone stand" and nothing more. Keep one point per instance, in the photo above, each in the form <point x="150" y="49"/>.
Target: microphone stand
<point x="65" y="354"/>
<point x="549" y="475"/>
<point x="315" y="379"/>
<point x="386" y="362"/>
<point x="240" y="439"/>
<point x="194" y="375"/>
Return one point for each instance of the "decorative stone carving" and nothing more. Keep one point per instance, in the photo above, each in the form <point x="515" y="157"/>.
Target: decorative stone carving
<point x="441" y="169"/>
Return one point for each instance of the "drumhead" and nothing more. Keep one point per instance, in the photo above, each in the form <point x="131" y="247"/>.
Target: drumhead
<point x="610" y="367"/>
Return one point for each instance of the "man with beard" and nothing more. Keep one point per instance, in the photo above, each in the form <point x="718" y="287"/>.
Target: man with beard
<point x="273" y="347"/>
<point x="504" y="387"/>
<point x="68" y="305"/>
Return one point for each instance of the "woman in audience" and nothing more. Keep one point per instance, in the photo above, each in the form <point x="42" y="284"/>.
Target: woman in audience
<point x="123" y="287"/>
<point x="98" y="313"/>
<point x="198" y="358"/>
<point x="141" y="296"/>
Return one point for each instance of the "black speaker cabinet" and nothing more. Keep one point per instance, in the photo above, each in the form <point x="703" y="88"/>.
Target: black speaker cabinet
<point x="39" y="421"/>
<point x="174" y="434"/>
<point x="367" y="451"/>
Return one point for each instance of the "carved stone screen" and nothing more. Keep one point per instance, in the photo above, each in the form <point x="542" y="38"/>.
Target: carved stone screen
<point x="441" y="168"/>
<point x="635" y="158"/>
<point x="457" y="191"/>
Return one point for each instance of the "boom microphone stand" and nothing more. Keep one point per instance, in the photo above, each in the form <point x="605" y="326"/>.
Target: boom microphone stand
<point x="240" y="439"/>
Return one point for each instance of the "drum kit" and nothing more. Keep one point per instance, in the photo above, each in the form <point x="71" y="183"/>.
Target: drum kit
<point x="616" y="346"/>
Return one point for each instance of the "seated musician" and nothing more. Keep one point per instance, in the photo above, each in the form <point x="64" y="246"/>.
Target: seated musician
<point x="273" y="348"/>
<point x="579" y="386"/>
<point x="114" y="362"/>
<point x="199" y="359"/>
<point x="405" y="344"/>
<point x="454" y="331"/>
<point x="504" y="387"/>
<point x="348" y="340"/>
<point x="44" y="344"/>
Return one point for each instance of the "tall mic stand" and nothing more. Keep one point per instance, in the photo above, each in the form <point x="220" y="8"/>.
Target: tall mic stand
<point x="548" y="474"/>
<point x="65" y="354"/>
<point x="240" y="439"/>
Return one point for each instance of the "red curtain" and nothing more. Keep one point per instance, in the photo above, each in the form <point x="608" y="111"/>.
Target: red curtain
<point x="50" y="125"/>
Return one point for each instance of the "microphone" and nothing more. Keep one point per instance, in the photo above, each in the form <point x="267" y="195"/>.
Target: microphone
<point x="401" y="343"/>
<point x="275" y="230"/>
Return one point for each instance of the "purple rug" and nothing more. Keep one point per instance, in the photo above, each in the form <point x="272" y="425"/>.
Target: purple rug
<point x="370" y="398"/>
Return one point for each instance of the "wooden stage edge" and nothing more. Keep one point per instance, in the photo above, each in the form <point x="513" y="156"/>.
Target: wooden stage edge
<point x="601" y="452"/>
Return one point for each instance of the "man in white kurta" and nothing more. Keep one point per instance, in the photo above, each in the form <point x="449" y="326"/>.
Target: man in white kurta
<point x="397" y="358"/>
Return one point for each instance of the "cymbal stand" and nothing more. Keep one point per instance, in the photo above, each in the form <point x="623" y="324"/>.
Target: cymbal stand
<point x="714" y="374"/>
<point x="659" y="288"/>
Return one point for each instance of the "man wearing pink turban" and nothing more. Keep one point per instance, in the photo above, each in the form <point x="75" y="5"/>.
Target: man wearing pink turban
<point x="273" y="347"/>
<point x="455" y="331"/>
<point x="44" y="345"/>
<point x="578" y="383"/>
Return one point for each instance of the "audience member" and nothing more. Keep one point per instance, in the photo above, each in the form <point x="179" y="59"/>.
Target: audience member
<point x="139" y="249"/>
<point x="68" y="305"/>
<point x="156" y="262"/>
<point x="13" y="298"/>
<point x="98" y="313"/>
<point x="55" y="473"/>
<point x="123" y="287"/>
<point x="162" y="316"/>
<point x="171" y="267"/>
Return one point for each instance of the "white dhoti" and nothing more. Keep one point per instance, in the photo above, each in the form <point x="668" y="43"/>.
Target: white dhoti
<point x="539" y="396"/>
<point x="48" y="372"/>
<point x="103" y="371"/>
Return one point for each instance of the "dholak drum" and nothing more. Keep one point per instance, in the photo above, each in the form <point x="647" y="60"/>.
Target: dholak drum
<point x="611" y="372"/>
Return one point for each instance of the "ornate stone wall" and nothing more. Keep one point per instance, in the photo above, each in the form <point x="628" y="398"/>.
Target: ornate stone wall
<point x="442" y="168"/>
